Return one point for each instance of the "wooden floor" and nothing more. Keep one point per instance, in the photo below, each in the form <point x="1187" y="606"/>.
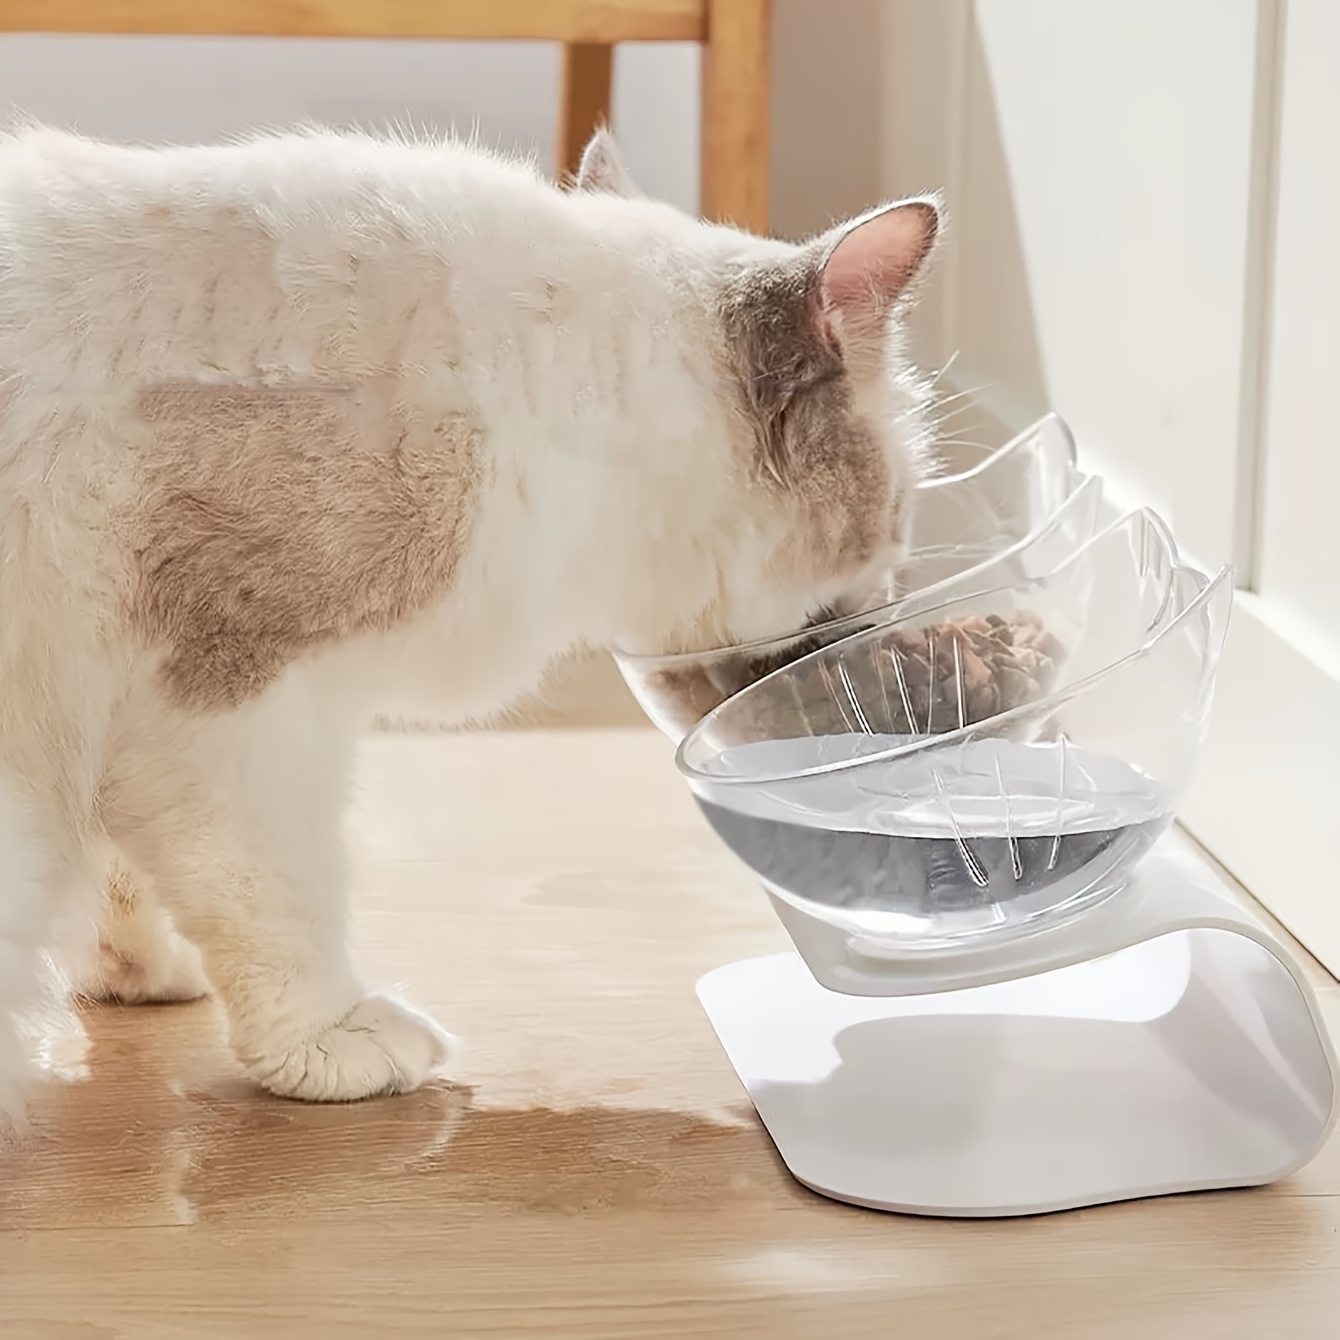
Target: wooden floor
<point x="595" y="1171"/>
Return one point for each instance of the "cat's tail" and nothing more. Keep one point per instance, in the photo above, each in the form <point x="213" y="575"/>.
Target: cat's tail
<point x="25" y="920"/>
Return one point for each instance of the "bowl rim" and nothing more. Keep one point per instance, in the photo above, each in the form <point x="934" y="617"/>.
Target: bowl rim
<point x="1085" y="485"/>
<point x="1033" y="430"/>
<point x="1089" y="487"/>
<point x="1212" y="586"/>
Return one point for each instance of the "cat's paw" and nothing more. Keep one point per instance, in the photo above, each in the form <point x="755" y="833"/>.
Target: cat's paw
<point x="160" y="970"/>
<point x="141" y="958"/>
<point x="381" y="1046"/>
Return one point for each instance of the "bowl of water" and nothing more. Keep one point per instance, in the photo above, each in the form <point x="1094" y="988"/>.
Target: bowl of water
<point x="1017" y="515"/>
<point x="870" y="798"/>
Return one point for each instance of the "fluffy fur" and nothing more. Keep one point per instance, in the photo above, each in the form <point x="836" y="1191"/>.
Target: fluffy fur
<point x="313" y="426"/>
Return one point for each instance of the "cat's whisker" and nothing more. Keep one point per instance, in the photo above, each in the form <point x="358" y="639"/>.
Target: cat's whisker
<point x="967" y="394"/>
<point x="963" y="394"/>
<point x="945" y="366"/>
<point x="963" y="442"/>
<point x="939" y="419"/>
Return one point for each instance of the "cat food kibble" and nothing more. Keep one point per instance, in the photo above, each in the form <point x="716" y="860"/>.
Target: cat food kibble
<point x="914" y="681"/>
<point x="956" y="674"/>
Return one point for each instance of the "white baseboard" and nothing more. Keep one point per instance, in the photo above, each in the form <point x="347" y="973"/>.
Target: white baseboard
<point x="1266" y="801"/>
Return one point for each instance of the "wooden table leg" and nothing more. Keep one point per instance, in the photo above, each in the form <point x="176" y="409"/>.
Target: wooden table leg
<point x="587" y="79"/>
<point x="736" y="92"/>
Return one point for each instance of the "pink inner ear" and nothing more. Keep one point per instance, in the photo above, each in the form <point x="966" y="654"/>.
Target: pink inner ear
<point x="876" y="259"/>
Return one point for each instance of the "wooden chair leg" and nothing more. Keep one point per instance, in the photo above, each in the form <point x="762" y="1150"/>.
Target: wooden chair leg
<point x="735" y="116"/>
<point x="587" y="79"/>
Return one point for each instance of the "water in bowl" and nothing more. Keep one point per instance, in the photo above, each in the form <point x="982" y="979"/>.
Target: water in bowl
<point x="937" y="846"/>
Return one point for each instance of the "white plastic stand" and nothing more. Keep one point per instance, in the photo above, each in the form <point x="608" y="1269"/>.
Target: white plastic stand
<point x="1162" y="1042"/>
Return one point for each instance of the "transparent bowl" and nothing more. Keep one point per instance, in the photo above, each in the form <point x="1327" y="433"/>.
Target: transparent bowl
<point x="678" y="690"/>
<point x="867" y="789"/>
<point x="964" y="519"/>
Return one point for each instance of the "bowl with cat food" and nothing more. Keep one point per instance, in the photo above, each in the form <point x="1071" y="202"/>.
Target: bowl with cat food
<point x="677" y="690"/>
<point x="962" y="519"/>
<point x="981" y="769"/>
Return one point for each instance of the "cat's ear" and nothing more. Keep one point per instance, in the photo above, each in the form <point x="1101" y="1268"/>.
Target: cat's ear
<point x="867" y="265"/>
<point x="603" y="169"/>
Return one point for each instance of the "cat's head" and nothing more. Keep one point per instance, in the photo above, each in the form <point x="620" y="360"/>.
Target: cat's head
<point x="828" y="420"/>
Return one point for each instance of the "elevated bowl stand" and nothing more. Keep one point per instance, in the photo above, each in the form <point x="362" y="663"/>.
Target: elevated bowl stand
<point x="1162" y="1042"/>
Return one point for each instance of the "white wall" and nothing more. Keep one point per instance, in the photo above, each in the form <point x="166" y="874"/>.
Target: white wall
<point x="826" y="115"/>
<point x="1298" y="557"/>
<point x="1098" y="160"/>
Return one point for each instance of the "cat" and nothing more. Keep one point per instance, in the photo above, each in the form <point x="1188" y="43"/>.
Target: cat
<point x="310" y="426"/>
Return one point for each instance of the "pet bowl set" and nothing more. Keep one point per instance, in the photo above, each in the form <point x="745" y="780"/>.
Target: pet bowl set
<point x="1011" y="993"/>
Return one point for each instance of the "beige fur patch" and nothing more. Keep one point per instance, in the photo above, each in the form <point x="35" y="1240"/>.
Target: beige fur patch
<point x="279" y="520"/>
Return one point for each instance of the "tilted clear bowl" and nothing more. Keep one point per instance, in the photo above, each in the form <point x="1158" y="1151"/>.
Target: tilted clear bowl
<point x="676" y="691"/>
<point x="865" y="788"/>
<point x="961" y="520"/>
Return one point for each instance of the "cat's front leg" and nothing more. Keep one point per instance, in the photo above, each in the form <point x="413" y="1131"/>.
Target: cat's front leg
<point x="272" y="938"/>
<point x="141" y="959"/>
<point x="239" y="827"/>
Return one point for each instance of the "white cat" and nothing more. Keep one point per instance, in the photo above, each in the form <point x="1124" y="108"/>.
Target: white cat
<point x="304" y="428"/>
